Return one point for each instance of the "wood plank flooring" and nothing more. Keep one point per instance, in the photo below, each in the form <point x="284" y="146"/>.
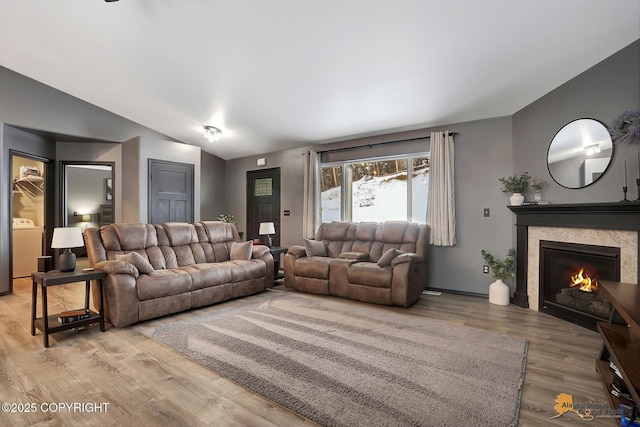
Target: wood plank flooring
<point x="145" y="383"/>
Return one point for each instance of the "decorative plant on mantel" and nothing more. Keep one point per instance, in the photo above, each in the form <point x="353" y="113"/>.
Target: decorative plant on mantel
<point x="227" y="218"/>
<point x="515" y="183"/>
<point x="501" y="269"/>
<point x="625" y="128"/>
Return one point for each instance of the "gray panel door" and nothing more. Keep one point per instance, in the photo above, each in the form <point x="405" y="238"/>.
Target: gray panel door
<point x="170" y="192"/>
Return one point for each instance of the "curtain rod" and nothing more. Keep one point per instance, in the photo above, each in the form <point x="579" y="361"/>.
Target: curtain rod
<point x="337" y="150"/>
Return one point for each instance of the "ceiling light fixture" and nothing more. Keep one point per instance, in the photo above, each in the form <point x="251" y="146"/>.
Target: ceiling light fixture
<point x="212" y="133"/>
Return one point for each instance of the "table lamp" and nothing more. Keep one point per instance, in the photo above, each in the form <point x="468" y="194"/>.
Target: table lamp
<point x="266" y="229"/>
<point x="66" y="238"/>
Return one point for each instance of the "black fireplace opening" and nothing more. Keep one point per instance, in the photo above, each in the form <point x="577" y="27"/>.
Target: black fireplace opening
<point x="569" y="276"/>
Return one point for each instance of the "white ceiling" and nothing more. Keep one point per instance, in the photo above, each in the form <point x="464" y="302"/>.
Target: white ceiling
<point x="279" y="74"/>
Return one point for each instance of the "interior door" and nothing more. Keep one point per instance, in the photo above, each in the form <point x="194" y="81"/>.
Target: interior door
<point x="170" y="192"/>
<point x="263" y="202"/>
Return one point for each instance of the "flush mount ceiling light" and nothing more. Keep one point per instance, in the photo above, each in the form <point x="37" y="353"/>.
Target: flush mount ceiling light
<point x="212" y="133"/>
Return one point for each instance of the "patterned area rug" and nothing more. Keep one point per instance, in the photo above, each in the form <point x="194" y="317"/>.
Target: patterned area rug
<point x="342" y="363"/>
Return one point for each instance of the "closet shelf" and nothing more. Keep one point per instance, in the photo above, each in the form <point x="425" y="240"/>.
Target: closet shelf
<point x="34" y="181"/>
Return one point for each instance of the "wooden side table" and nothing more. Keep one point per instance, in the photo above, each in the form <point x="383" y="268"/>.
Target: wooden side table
<point x="276" y="251"/>
<point x="49" y="324"/>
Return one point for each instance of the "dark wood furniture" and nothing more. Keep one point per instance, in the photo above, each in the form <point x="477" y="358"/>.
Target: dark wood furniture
<point x="621" y="339"/>
<point x="105" y="214"/>
<point x="49" y="324"/>
<point x="601" y="216"/>
<point x="276" y="251"/>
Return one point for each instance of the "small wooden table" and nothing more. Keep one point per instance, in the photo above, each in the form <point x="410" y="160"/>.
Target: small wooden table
<point x="49" y="324"/>
<point x="276" y="251"/>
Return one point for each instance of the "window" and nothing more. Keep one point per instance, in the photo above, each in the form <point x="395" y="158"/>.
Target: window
<point x="378" y="190"/>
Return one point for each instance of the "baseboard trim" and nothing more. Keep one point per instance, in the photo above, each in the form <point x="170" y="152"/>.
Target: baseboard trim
<point x="451" y="291"/>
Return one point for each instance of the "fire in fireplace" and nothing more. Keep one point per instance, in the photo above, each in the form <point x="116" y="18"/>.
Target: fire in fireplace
<point x="569" y="275"/>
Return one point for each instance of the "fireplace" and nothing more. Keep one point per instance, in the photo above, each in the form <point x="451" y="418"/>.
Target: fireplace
<point x="569" y="275"/>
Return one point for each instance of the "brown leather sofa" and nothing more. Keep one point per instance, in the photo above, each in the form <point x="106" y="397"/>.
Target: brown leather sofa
<point x="172" y="267"/>
<point x="382" y="263"/>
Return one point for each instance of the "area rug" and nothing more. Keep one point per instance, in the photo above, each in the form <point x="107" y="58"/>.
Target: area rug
<point x="341" y="363"/>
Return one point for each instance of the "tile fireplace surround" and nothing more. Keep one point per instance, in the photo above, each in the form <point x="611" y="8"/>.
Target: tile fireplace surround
<point x="605" y="224"/>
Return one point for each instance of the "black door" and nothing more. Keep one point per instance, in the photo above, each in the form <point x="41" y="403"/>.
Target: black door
<point x="263" y="202"/>
<point x="170" y="192"/>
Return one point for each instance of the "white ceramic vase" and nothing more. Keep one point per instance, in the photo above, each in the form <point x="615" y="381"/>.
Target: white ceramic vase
<point x="516" y="199"/>
<point x="499" y="293"/>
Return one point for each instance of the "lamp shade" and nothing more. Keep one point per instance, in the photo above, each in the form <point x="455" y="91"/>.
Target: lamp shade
<point x="67" y="237"/>
<point x="267" y="228"/>
<point x="85" y="218"/>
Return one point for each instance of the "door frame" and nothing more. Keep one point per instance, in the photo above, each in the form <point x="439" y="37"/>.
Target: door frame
<point x="63" y="184"/>
<point x="192" y="184"/>
<point x="49" y="197"/>
<point x="249" y="193"/>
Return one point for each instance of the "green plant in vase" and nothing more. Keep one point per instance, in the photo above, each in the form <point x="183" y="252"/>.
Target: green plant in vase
<point x="227" y="218"/>
<point x="515" y="184"/>
<point x="499" y="292"/>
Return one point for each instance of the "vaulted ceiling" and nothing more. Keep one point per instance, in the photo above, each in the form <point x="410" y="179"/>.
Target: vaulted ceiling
<point x="279" y="74"/>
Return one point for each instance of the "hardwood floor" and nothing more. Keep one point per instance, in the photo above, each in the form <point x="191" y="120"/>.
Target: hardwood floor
<point x="145" y="383"/>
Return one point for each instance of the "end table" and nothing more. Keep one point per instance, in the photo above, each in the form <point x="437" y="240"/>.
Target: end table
<point x="276" y="251"/>
<point x="49" y="324"/>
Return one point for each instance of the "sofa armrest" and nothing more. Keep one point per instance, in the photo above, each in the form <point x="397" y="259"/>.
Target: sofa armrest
<point x="298" y="251"/>
<point x="408" y="257"/>
<point x="117" y="267"/>
<point x="258" y="251"/>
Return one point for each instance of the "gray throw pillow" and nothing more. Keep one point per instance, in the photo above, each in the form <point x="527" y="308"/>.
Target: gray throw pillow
<point x="314" y="248"/>
<point x="138" y="261"/>
<point x="387" y="257"/>
<point x="241" y="251"/>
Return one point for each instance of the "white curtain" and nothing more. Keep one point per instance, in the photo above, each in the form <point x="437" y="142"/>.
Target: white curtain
<point x="311" y="206"/>
<point x="441" y="207"/>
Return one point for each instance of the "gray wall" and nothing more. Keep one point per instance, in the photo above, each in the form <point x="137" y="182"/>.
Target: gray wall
<point x="212" y="186"/>
<point x="35" y="106"/>
<point x="485" y="151"/>
<point x="602" y="92"/>
<point x="482" y="155"/>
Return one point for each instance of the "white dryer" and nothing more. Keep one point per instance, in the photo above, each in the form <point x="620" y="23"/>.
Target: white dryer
<point x="27" y="247"/>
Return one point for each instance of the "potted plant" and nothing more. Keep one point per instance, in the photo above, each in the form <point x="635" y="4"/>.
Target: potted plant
<point x="536" y="184"/>
<point x="227" y="218"/>
<point x="499" y="292"/>
<point x="515" y="184"/>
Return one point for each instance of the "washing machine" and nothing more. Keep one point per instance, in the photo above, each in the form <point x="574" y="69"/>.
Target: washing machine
<point x="27" y="247"/>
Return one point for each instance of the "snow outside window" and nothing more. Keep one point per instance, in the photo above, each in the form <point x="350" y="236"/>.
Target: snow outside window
<point x="380" y="190"/>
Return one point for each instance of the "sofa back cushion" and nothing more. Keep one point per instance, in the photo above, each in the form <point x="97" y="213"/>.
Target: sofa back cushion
<point x="374" y="238"/>
<point x="119" y="239"/>
<point x="168" y="245"/>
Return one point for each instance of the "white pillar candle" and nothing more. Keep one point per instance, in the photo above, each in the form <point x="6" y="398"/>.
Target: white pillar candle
<point x="624" y="173"/>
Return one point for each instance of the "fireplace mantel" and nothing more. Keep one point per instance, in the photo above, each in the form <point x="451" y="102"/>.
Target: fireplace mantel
<point x="605" y="216"/>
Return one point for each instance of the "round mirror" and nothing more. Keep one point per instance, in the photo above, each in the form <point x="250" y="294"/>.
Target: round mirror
<point x="579" y="153"/>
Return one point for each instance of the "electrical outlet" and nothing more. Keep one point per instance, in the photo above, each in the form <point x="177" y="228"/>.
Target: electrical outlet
<point x="485" y="269"/>
<point x="487" y="212"/>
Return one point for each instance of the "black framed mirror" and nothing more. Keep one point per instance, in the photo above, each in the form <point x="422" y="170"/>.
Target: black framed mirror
<point x="579" y="153"/>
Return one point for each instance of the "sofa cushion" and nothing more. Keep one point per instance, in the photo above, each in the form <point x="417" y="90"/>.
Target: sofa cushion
<point x="245" y="270"/>
<point x="208" y="274"/>
<point x="314" y="248"/>
<point x="241" y="251"/>
<point x="162" y="283"/>
<point x="315" y="267"/>
<point x="358" y="256"/>
<point x="180" y="233"/>
<point x="138" y="261"/>
<point x="369" y="274"/>
<point x="388" y="256"/>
